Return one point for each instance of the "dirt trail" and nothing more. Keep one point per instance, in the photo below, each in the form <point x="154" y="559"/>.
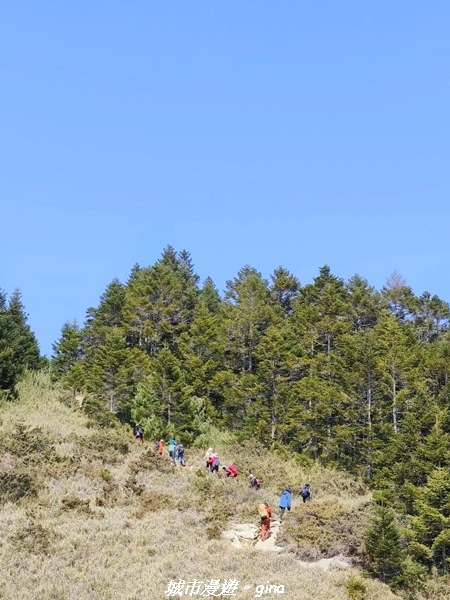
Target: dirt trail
<point x="270" y="545"/>
<point x="242" y="535"/>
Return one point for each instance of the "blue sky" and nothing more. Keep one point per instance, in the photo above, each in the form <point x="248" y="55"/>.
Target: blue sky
<point x="294" y="133"/>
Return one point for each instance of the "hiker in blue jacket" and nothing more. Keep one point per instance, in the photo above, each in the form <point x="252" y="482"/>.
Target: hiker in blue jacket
<point x="171" y="449"/>
<point x="285" y="502"/>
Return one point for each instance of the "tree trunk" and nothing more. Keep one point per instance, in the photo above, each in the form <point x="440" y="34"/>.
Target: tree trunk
<point x="394" y="406"/>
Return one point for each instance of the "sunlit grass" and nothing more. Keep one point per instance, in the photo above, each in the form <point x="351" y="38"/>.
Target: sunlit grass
<point x="112" y="520"/>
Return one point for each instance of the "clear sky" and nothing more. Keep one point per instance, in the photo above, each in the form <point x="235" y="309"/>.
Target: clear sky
<point x="294" y="133"/>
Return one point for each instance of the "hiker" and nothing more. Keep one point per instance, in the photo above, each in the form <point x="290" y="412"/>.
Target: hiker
<point x="171" y="449"/>
<point x="285" y="502"/>
<point x="161" y="447"/>
<point x="207" y="458"/>
<point x="305" y="493"/>
<point x="231" y="471"/>
<point x="214" y="463"/>
<point x="255" y="482"/>
<point x="179" y="454"/>
<point x="138" y="432"/>
<point x="266" y="514"/>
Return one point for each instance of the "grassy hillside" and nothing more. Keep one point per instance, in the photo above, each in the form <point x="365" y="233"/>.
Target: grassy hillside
<point x="88" y="514"/>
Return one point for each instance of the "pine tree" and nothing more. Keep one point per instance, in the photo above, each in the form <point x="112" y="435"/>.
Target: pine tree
<point x="268" y="411"/>
<point x="366" y="304"/>
<point x="401" y="301"/>
<point x="432" y="317"/>
<point x="19" y="349"/>
<point x="284" y="289"/>
<point x="68" y="358"/>
<point x="160" y="303"/>
<point x="385" y="556"/>
<point x="431" y="522"/>
<point x="397" y="356"/>
<point x="361" y="352"/>
<point x="201" y="350"/>
<point x="247" y="315"/>
<point x="162" y="396"/>
<point x="68" y="349"/>
<point x="113" y="371"/>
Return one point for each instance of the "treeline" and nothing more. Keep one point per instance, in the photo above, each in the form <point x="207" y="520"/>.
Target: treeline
<point x="334" y="370"/>
<point x="19" y="349"/>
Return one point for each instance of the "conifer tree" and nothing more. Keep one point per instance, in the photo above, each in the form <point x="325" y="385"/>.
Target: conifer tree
<point x="385" y="556"/>
<point x="19" y="349"/>
<point x="163" y="397"/>
<point x="365" y="303"/>
<point x="398" y="353"/>
<point x="68" y="357"/>
<point x="68" y="349"/>
<point x="362" y="382"/>
<point x="432" y="317"/>
<point x="201" y="349"/>
<point x="266" y="416"/>
<point x="431" y="522"/>
<point x="284" y="289"/>
<point x="401" y="301"/>
<point x="160" y="302"/>
<point x="113" y="371"/>
<point x="107" y="315"/>
<point x="247" y="315"/>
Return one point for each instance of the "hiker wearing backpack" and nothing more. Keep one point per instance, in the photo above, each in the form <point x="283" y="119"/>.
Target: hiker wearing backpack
<point x="265" y="513"/>
<point x="160" y="447"/>
<point x="305" y="493"/>
<point x="171" y="449"/>
<point x="285" y="502"/>
<point x="138" y="433"/>
<point x="231" y="471"/>
<point x="214" y="463"/>
<point x="255" y="482"/>
<point x="207" y="458"/>
<point x="179" y="454"/>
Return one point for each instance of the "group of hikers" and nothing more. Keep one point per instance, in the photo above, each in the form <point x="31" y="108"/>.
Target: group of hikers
<point x="212" y="463"/>
<point x="175" y="450"/>
<point x="284" y="503"/>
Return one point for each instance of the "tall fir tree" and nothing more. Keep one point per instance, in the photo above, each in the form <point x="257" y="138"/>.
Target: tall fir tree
<point x="19" y="349"/>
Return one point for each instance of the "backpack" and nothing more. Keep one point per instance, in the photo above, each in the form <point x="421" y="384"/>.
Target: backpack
<point x="262" y="511"/>
<point x="156" y="445"/>
<point x="216" y="462"/>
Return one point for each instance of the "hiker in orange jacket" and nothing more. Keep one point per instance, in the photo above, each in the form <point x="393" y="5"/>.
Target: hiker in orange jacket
<point x="265" y="522"/>
<point x="161" y="447"/>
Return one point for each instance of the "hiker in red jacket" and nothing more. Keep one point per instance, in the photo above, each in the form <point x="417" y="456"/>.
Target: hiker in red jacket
<point x="231" y="471"/>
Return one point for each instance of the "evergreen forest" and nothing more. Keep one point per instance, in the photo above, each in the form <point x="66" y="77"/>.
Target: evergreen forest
<point x="332" y="371"/>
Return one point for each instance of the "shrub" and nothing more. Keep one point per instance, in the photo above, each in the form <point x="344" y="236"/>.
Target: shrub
<point x="356" y="588"/>
<point x="16" y="485"/>
<point x="34" y="538"/>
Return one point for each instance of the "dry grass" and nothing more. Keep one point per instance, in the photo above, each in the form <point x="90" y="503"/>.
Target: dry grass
<point x="108" y="519"/>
